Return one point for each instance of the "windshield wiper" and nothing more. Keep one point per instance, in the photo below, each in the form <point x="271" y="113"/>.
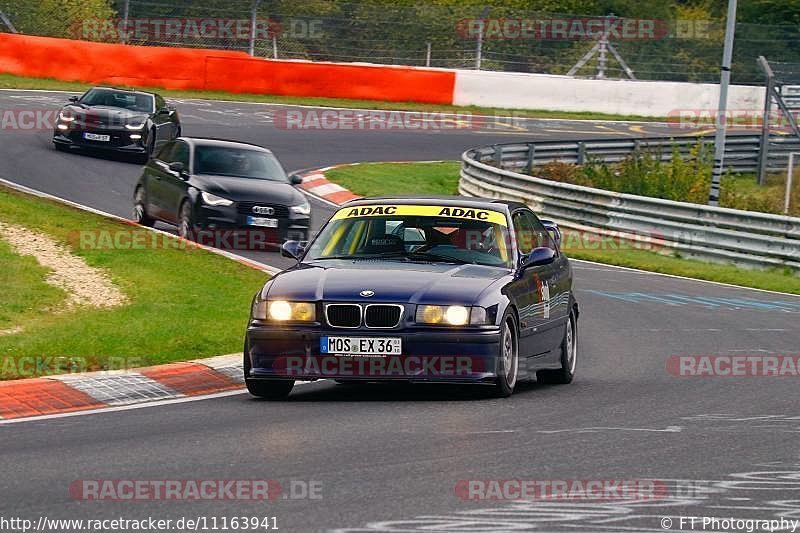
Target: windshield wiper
<point x="437" y="257"/>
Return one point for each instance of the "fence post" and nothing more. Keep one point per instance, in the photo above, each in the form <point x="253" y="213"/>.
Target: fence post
<point x="531" y="158"/>
<point x="763" y="150"/>
<point x="581" y="153"/>
<point x="125" y="15"/>
<point x="253" y="15"/>
<point x="428" y="56"/>
<point x="498" y="155"/>
<point x="479" y="44"/>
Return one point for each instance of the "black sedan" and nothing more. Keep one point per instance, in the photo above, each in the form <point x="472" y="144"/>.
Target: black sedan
<point x="104" y="118"/>
<point x="221" y="193"/>
<point x="455" y="290"/>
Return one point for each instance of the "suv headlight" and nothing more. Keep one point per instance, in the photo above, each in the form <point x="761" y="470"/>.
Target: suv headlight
<point x="283" y="311"/>
<point x="65" y="118"/>
<point x="135" y="126"/>
<point x="302" y="209"/>
<point x="450" y="315"/>
<point x="213" y="199"/>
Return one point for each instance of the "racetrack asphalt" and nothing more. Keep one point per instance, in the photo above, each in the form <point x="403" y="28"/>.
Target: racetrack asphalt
<point x="390" y="458"/>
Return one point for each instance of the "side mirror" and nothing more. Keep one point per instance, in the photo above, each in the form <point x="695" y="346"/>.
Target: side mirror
<point x="538" y="257"/>
<point x="178" y="168"/>
<point x="293" y="249"/>
<point x="553" y="230"/>
<point x="296" y="180"/>
<point x="164" y="111"/>
<point x="74" y="99"/>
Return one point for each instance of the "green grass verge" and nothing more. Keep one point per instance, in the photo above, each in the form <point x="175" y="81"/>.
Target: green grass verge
<point x="25" y="293"/>
<point x="9" y="81"/>
<point x="184" y="303"/>
<point x="374" y="179"/>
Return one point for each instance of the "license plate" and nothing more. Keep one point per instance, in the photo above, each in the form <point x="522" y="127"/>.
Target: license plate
<point x="263" y="222"/>
<point x="96" y="137"/>
<point x="372" y="346"/>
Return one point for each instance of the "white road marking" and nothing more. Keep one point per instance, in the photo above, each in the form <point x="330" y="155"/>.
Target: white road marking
<point x="668" y="429"/>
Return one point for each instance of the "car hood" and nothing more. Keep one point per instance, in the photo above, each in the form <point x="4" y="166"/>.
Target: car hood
<point x="106" y="114"/>
<point x="391" y="281"/>
<point x="248" y="189"/>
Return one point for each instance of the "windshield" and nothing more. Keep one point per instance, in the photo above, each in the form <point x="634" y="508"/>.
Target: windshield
<point x="237" y="162"/>
<point x="415" y="233"/>
<point x="142" y="103"/>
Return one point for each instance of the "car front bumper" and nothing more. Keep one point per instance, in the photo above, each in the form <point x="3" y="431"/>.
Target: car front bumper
<point x="225" y="227"/>
<point x="444" y="356"/>
<point x="120" y="141"/>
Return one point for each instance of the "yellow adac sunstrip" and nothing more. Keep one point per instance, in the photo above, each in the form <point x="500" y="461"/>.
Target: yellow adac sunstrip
<point x="382" y="210"/>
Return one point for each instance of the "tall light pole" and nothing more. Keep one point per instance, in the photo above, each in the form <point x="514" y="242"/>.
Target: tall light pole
<point x="725" y="78"/>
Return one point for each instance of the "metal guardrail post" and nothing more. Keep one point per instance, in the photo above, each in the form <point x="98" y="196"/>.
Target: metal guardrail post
<point x="531" y="159"/>
<point x="763" y="150"/>
<point x="498" y="155"/>
<point x="581" y="153"/>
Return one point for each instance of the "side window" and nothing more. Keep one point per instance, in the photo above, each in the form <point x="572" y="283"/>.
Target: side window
<point x="160" y="103"/>
<point x="543" y="237"/>
<point x="181" y="154"/>
<point x="523" y="231"/>
<point x="165" y="153"/>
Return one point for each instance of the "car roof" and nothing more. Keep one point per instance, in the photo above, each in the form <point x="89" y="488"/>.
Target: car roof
<point x="223" y="143"/>
<point x="458" y="201"/>
<point x="134" y="91"/>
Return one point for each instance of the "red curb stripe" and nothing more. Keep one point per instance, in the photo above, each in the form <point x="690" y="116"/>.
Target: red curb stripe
<point x="35" y="397"/>
<point x="341" y="197"/>
<point x="190" y="379"/>
<point x="314" y="183"/>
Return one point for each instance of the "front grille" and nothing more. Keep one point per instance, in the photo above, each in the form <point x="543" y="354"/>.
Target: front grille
<point x="246" y="208"/>
<point x="343" y="315"/>
<point x="382" y="316"/>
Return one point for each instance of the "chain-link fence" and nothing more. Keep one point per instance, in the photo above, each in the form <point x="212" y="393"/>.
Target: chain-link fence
<point x="659" y="46"/>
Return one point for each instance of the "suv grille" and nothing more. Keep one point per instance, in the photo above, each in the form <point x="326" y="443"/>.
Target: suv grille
<point x="343" y="315"/>
<point x="246" y="208"/>
<point x="382" y="316"/>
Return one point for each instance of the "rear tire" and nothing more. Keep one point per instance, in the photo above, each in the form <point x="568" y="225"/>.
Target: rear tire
<point x="269" y="389"/>
<point x="569" y="357"/>
<point x="139" y="208"/>
<point x="508" y="368"/>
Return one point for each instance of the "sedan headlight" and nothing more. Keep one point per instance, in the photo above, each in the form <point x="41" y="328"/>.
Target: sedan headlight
<point x="213" y="199"/>
<point x="65" y="118"/>
<point x="283" y="311"/>
<point x="135" y="126"/>
<point x="450" y="315"/>
<point x="302" y="209"/>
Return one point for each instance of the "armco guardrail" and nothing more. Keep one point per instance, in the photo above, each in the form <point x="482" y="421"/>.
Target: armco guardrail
<point x="712" y="233"/>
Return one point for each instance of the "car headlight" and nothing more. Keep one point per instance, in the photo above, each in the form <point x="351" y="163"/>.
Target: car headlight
<point x="65" y="118"/>
<point x="302" y="209"/>
<point x="283" y="311"/>
<point x="450" y="315"/>
<point x="135" y="126"/>
<point x="213" y="199"/>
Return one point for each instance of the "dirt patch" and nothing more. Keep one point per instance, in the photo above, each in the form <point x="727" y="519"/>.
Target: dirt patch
<point x="84" y="285"/>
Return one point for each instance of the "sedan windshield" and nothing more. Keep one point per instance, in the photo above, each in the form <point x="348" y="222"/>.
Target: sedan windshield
<point x="238" y="162"/>
<point x="414" y="237"/>
<point x="139" y="102"/>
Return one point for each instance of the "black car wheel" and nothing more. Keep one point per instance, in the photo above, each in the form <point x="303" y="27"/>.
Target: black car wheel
<point x="272" y="389"/>
<point x="150" y="147"/>
<point x="569" y="357"/>
<point x="186" y="227"/>
<point x="139" y="210"/>
<point x="508" y="369"/>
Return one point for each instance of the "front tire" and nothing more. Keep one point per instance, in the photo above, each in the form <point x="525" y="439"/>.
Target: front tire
<point x="272" y="389"/>
<point x="139" y="209"/>
<point x="186" y="229"/>
<point x="508" y="369"/>
<point x="569" y="357"/>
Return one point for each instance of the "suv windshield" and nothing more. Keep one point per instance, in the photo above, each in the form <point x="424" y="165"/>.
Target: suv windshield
<point x="143" y="103"/>
<point x="415" y="233"/>
<point x="237" y="162"/>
